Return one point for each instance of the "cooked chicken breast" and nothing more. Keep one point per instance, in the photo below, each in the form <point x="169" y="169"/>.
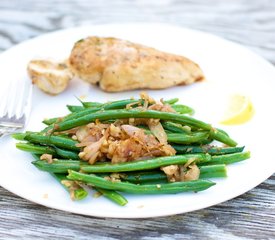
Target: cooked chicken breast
<point x="50" y="77"/>
<point x="119" y="65"/>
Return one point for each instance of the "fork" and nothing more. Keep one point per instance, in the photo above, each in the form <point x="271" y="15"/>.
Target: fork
<point x="15" y="101"/>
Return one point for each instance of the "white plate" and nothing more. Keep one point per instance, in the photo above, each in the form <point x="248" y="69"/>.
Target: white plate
<point x="229" y="68"/>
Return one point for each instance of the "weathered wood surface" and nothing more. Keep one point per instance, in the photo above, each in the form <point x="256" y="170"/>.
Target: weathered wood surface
<point x="249" y="22"/>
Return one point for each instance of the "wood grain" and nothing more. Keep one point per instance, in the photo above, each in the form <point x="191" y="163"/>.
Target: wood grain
<point x="250" y="216"/>
<point x="249" y="22"/>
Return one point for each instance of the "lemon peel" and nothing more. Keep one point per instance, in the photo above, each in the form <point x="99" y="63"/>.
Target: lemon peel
<point x="240" y="110"/>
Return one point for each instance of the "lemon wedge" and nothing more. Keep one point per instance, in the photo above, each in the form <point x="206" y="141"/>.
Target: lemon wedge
<point x="240" y="110"/>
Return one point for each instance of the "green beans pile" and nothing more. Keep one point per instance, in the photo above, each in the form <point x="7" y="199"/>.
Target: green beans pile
<point x="192" y="139"/>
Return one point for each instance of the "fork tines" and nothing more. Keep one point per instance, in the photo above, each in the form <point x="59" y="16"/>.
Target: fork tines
<point x="14" y="106"/>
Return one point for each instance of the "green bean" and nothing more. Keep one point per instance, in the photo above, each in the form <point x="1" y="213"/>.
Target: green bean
<point x="76" y="191"/>
<point x="121" y="103"/>
<point x="77" y="194"/>
<point x="36" y="149"/>
<point x="137" y="113"/>
<point x="178" y="128"/>
<point x="131" y="113"/>
<point x="171" y="101"/>
<point x="73" y="108"/>
<point x="147" y="130"/>
<point x="146" y="174"/>
<point x="112" y="195"/>
<point x="145" y="164"/>
<point x="106" y="106"/>
<point x="222" y="131"/>
<point x="91" y="104"/>
<point x="98" y="104"/>
<point x="55" y="151"/>
<point x="175" y="127"/>
<point x="72" y="115"/>
<point x="176" y="187"/>
<point x="184" y="138"/>
<point x="213" y="171"/>
<point x="58" y="166"/>
<point x="36" y="156"/>
<point x="222" y="137"/>
<point x="183" y="109"/>
<point x="113" y="105"/>
<point x="67" y="154"/>
<point x="212" y="150"/>
<point x="229" y="158"/>
<point x="19" y="136"/>
<point x="146" y="177"/>
<point x="58" y="141"/>
<point x="49" y="121"/>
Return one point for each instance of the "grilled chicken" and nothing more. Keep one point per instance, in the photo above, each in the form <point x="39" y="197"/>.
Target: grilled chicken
<point x="115" y="65"/>
<point x="119" y="65"/>
<point x="52" y="78"/>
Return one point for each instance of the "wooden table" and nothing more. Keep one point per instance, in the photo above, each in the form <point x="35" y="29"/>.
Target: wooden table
<point x="249" y="22"/>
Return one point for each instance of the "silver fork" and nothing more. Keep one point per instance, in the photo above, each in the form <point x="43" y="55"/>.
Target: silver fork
<point x="15" y="102"/>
